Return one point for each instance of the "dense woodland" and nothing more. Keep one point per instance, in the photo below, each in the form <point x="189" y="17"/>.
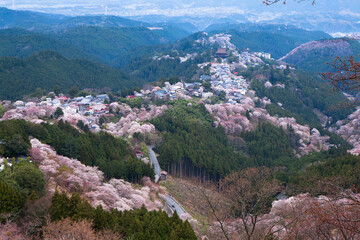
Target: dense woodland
<point x="302" y="94"/>
<point x="299" y="35"/>
<point x="192" y="146"/>
<point x="112" y="155"/>
<point x="47" y="69"/>
<point x="267" y="143"/>
<point x="115" y="46"/>
<point x="21" y="182"/>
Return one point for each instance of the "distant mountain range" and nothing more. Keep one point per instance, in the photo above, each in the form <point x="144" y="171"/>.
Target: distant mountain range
<point x="107" y="39"/>
<point x="329" y="16"/>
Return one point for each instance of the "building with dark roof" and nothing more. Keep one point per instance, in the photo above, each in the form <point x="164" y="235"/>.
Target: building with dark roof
<point x="221" y="52"/>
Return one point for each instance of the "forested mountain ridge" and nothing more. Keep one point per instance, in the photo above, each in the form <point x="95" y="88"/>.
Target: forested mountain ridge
<point x="16" y="42"/>
<point x="36" y="21"/>
<point x="298" y="34"/>
<point x="46" y="69"/>
<point x="109" y="45"/>
<point x="116" y="45"/>
<point x="314" y="55"/>
<point x="272" y="38"/>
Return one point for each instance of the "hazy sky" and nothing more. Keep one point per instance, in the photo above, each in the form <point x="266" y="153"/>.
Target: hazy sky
<point x="175" y="7"/>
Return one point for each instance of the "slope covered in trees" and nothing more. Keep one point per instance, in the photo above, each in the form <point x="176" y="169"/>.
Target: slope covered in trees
<point x="16" y="42"/>
<point x="314" y="56"/>
<point x="275" y="39"/>
<point x="298" y="34"/>
<point x="303" y="93"/>
<point x="145" y="67"/>
<point x="337" y="169"/>
<point x="112" y="155"/>
<point x="192" y="146"/>
<point x="47" y="69"/>
<point x="53" y="22"/>
<point x="116" y="45"/>
<point x="267" y="143"/>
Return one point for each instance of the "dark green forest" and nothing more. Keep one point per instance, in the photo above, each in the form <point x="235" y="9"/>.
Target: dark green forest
<point x="16" y="42"/>
<point x="316" y="59"/>
<point x="192" y="146"/>
<point x="21" y="182"/>
<point x="47" y="69"/>
<point x="115" y="46"/>
<point x="303" y="93"/>
<point x="267" y="143"/>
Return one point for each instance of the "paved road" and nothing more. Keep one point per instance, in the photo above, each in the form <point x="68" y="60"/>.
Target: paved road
<point x="174" y="205"/>
<point x="170" y="201"/>
<point x="155" y="163"/>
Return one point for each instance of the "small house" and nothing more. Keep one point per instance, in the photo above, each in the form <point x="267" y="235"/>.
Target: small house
<point x="163" y="175"/>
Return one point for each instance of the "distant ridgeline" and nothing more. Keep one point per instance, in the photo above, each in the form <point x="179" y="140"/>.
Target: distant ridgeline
<point x="275" y="39"/>
<point x="108" y="39"/>
<point x="112" y="155"/>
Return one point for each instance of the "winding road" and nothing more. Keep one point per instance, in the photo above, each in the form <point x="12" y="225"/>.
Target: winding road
<point x="170" y="201"/>
<point x="154" y="163"/>
<point x="174" y="205"/>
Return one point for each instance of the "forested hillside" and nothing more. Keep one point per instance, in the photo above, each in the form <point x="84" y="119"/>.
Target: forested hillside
<point x="275" y="39"/>
<point x="314" y="56"/>
<point x="47" y="69"/>
<point x="140" y="223"/>
<point x="113" y="156"/>
<point x="299" y="35"/>
<point x="192" y="146"/>
<point x="115" y="45"/>
<point x="16" y="42"/>
<point x="304" y="92"/>
<point x="36" y="21"/>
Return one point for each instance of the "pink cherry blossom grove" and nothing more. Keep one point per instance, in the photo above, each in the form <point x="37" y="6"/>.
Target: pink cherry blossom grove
<point x="70" y="175"/>
<point x="349" y="129"/>
<point x="232" y="118"/>
<point x="31" y="113"/>
<point x="132" y="120"/>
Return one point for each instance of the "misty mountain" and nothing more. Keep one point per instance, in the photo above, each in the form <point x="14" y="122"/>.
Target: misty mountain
<point x="36" y="21"/>
<point x="329" y="16"/>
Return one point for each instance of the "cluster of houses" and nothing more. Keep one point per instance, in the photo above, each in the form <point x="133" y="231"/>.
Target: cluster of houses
<point x="223" y="40"/>
<point x="263" y="55"/>
<point x="175" y="91"/>
<point x="223" y="79"/>
<point x="88" y="105"/>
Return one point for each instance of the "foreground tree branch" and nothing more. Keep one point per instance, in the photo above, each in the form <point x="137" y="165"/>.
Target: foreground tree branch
<point x="346" y="75"/>
<point x="271" y="2"/>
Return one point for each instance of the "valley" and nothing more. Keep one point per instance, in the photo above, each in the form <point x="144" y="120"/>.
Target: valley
<point x="144" y="130"/>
